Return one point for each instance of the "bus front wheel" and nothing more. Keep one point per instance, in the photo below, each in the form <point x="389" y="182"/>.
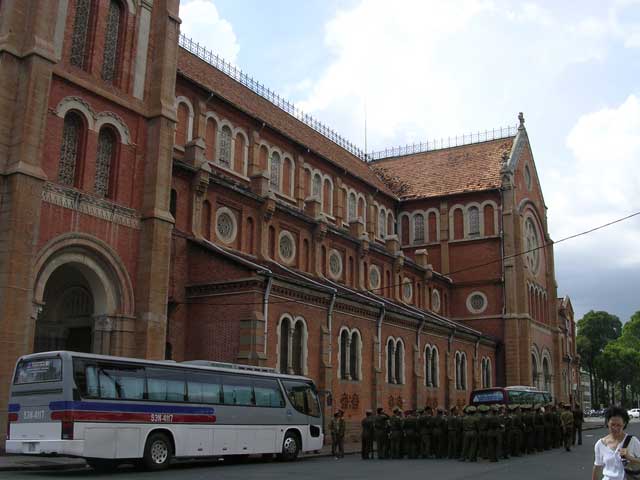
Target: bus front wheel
<point x="157" y="452"/>
<point x="290" y="447"/>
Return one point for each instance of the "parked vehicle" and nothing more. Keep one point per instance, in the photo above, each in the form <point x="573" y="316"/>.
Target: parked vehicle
<point x="634" y="413"/>
<point x="508" y="395"/>
<point x="111" y="409"/>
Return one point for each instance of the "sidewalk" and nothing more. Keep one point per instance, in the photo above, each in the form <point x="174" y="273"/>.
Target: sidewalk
<point x="28" y="462"/>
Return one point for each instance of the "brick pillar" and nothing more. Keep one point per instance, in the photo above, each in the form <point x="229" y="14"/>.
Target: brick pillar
<point x="30" y="45"/>
<point x="157" y="223"/>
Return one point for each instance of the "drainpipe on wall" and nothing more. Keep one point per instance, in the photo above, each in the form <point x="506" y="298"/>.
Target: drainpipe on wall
<point x="330" y="323"/>
<point x="383" y="312"/>
<point x="422" y="324"/>
<point x="265" y="309"/>
<point x="447" y="392"/>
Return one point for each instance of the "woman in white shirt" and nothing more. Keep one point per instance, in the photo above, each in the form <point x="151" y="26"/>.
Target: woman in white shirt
<point x="609" y="454"/>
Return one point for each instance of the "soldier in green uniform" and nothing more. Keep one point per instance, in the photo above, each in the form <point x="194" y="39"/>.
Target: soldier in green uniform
<point x="411" y="439"/>
<point x="367" y="435"/>
<point x="515" y="434"/>
<point x="578" y="420"/>
<point x="538" y="423"/>
<point x="381" y="430"/>
<point x="493" y="425"/>
<point x="504" y="432"/>
<point x="548" y="427"/>
<point x="452" y="433"/>
<point x="470" y="435"/>
<point x="483" y="429"/>
<point x="396" y="434"/>
<point x="557" y="427"/>
<point x="437" y="434"/>
<point x="529" y="429"/>
<point x="425" y="424"/>
<point x="567" y="426"/>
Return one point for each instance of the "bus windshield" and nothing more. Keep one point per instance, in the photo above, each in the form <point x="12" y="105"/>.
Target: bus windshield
<point x="303" y="397"/>
<point x="38" y="371"/>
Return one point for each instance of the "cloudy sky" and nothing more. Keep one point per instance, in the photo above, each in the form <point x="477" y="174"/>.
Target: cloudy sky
<point x="424" y="69"/>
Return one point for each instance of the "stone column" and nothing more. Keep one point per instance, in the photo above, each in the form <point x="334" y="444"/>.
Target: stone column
<point x="347" y="361"/>
<point x="102" y="331"/>
<point x="157" y="223"/>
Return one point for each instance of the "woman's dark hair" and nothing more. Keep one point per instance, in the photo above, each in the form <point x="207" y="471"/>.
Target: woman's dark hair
<point x="616" y="412"/>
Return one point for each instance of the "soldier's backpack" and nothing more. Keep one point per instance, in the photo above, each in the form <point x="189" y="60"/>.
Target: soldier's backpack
<point x="631" y="471"/>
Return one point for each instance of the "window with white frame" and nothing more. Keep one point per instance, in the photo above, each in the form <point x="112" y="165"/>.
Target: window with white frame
<point x="224" y="150"/>
<point x="382" y="224"/>
<point x="276" y="168"/>
<point x="532" y="246"/>
<point x="226" y="225"/>
<point x="477" y="302"/>
<point x="350" y="354"/>
<point x="292" y="347"/>
<point x="287" y="246"/>
<point x="399" y="362"/>
<point x="474" y="221"/>
<point x="352" y="207"/>
<point x="486" y="372"/>
<point x="407" y="290"/>
<point x="335" y="264"/>
<point x="418" y="228"/>
<point x="395" y="361"/>
<point x="435" y="300"/>
<point x="374" y="277"/>
<point x="461" y="370"/>
<point x="431" y="366"/>
<point x="316" y="187"/>
<point x="391" y="348"/>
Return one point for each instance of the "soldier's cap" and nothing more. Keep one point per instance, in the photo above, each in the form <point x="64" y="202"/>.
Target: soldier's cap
<point x="368" y="410"/>
<point x="379" y="409"/>
<point x="470" y="409"/>
<point x="483" y="408"/>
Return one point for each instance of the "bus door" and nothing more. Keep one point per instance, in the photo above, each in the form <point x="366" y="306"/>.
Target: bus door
<point x="303" y="397"/>
<point x="37" y="383"/>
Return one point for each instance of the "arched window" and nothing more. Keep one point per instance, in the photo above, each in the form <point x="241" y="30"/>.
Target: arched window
<point x="344" y="354"/>
<point x="285" y="329"/>
<point x="182" y="125"/>
<point x="474" y="221"/>
<point x="238" y="155"/>
<point x="361" y="209"/>
<point x="458" y="224"/>
<point x="70" y="151"/>
<point x="546" y="373"/>
<point x="297" y="348"/>
<point x="534" y="370"/>
<point x="352" y="207"/>
<point x="81" y="36"/>
<point x="354" y="352"/>
<point x="418" y="229"/>
<point x="105" y="160"/>
<point x="390" y="224"/>
<point x="427" y="366"/>
<point x="404" y="226"/>
<point x="433" y="227"/>
<point x="489" y="227"/>
<point x="461" y="371"/>
<point x="316" y="187"/>
<point x="399" y="360"/>
<point x="327" y="197"/>
<point x="206" y="219"/>
<point x="382" y="224"/>
<point x="112" y="41"/>
<point x="287" y="169"/>
<point x="435" y="368"/>
<point x="274" y="180"/>
<point x="224" y="154"/>
<point x="210" y="134"/>
<point x="390" y="361"/>
<point x="486" y="373"/>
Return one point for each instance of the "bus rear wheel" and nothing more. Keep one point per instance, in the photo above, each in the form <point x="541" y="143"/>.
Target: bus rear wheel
<point x="290" y="447"/>
<point x="157" y="452"/>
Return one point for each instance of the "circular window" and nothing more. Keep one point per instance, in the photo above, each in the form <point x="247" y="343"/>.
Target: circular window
<point x="435" y="301"/>
<point x="226" y="226"/>
<point x="527" y="177"/>
<point x="374" y="277"/>
<point x="532" y="245"/>
<point x="286" y="247"/>
<point x="477" y="302"/>
<point x="407" y="290"/>
<point x="335" y="264"/>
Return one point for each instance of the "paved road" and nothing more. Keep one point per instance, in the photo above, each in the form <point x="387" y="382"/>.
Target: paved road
<point x="555" y="464"/>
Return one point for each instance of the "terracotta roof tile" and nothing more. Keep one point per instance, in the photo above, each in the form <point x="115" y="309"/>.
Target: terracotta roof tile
<point x="467" y="168"/>
<point x="226" y="87"/>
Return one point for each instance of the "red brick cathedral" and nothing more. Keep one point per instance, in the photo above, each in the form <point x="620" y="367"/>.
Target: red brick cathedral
<point x="156" y="202"/>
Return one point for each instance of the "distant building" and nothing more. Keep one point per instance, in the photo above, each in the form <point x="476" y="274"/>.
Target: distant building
<point x="157" y="202"/>
<point x="585" y="389"/>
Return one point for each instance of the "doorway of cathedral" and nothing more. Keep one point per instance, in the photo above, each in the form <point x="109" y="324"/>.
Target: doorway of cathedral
<point x="66" y="319"/>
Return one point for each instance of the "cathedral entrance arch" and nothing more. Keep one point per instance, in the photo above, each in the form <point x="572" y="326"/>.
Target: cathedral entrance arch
<point x="83" y="298"/>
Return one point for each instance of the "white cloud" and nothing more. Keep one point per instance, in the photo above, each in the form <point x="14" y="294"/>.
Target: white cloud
<point x="202" y="23"/>
<point x="601" y="185"/>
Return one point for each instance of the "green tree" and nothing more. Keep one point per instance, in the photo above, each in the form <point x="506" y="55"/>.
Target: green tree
<point x="618" y="364"/>
<point x="595" y="330"/>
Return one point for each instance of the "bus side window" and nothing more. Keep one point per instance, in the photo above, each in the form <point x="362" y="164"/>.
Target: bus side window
<point x="237" y="390"/>
<point x="165" y="385"/>
<point x="203" y="388"/>
<point x="267" y="393"/>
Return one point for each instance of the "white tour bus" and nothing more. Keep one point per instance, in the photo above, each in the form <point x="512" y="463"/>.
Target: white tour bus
<point x="110" y="409"/>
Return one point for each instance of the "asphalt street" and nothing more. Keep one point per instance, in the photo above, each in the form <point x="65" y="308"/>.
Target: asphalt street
<point x="554" y="464"/>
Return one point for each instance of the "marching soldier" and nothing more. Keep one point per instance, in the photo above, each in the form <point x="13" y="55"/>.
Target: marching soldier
<point x="425" y="424"/>
<point x="410" y="425"/>
<point x="381" y="430"/>
<point x="493" y="425"/>
<point x="538" y="423"/>
<point x="452" y="433"/>
<point x="368" y="433"/>
<point x="557" y="428"/>
<point x="529" y="429"/>
<point x="337" y="428"/>
<point x="504" y="432"/>
<point x="515" y="434"/>
<point x="437" y="434"/>
<point x="547" y="420"/>
<point x="470" y="435"/>
<point x="567" y="426"/>
<point x="483" y="429"/>
<point x="578" y="419"/>
<point x="395" y="437"/>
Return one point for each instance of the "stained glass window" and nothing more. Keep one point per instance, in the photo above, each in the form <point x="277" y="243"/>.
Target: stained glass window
<point x="532" y="245"/>
<point x="275" y="171"/>
<point x="225" y="147"/>
<point x="335" y="264"/>
<point x="106" y="150"/>
<point x="80" y="33"/>
<point x="111" y="47"/>
<point x="71" y="133"/>
<point x="418" y="229"/>
<point x="286" y="247"/>
<point x="474" y="221"/>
